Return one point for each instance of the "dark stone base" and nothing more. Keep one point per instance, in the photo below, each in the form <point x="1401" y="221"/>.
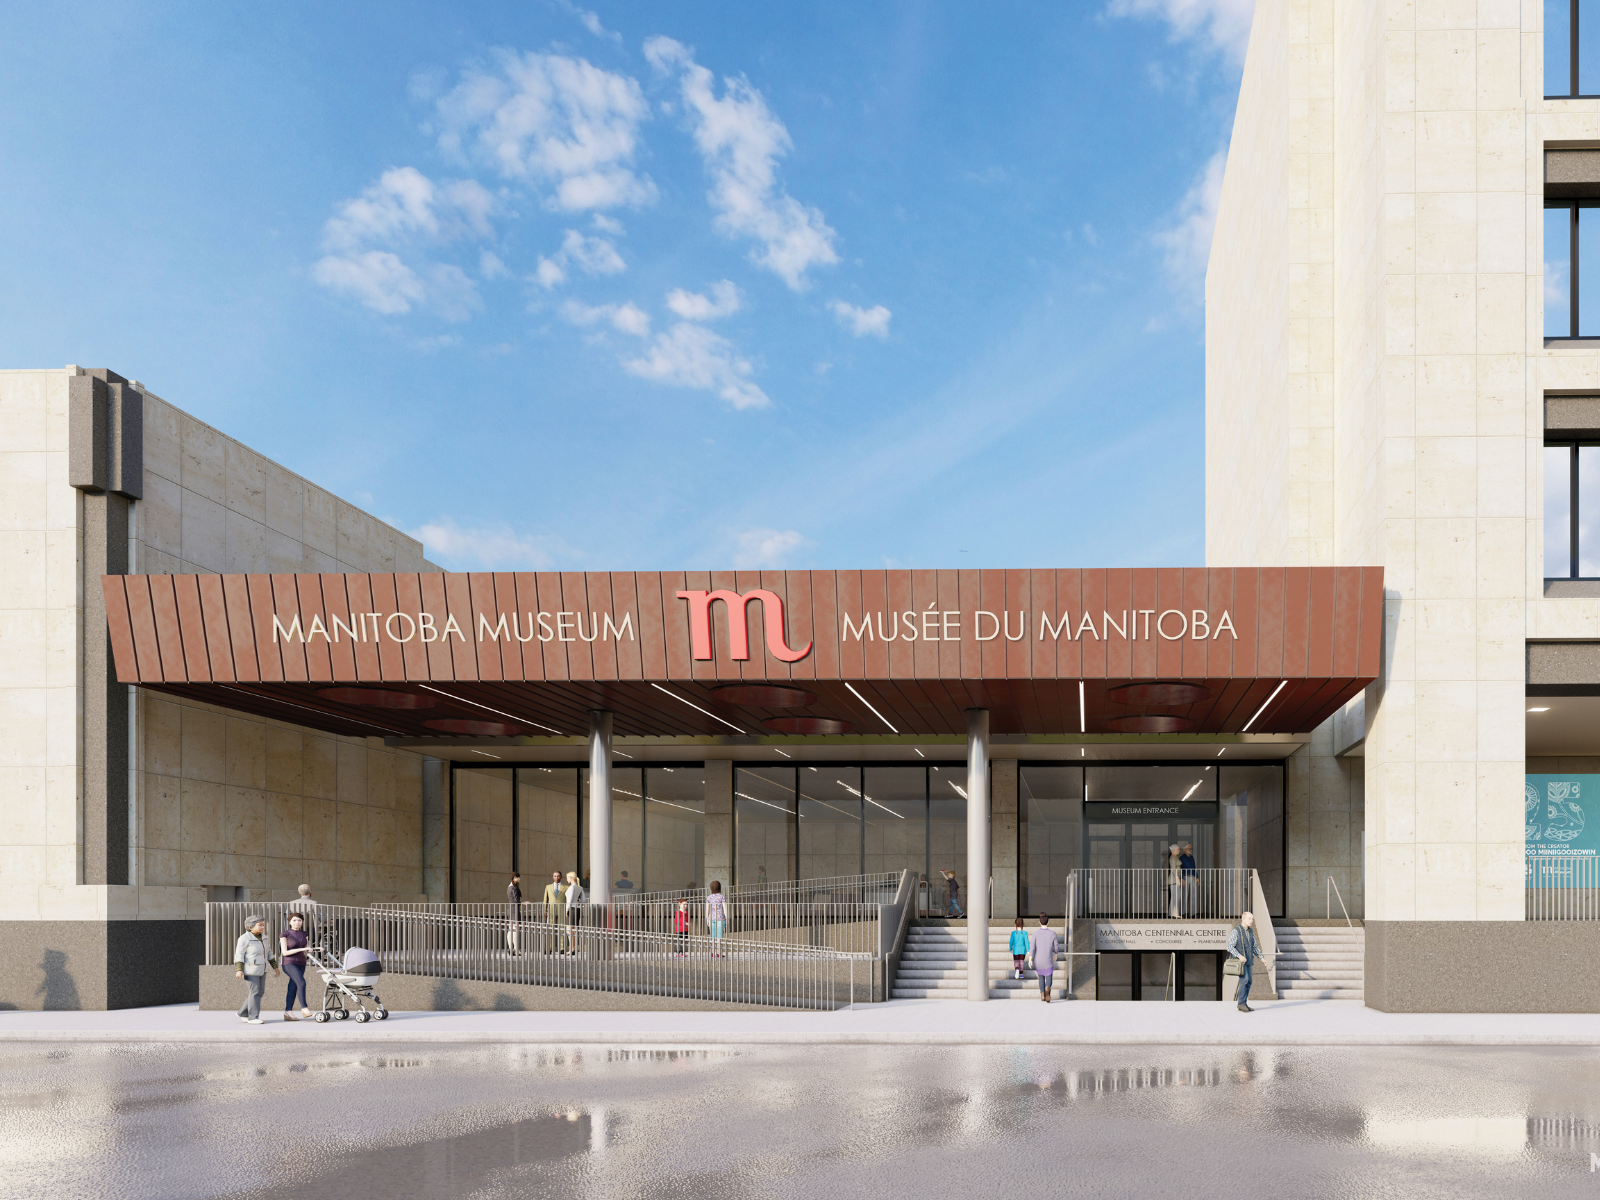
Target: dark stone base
<point x="98" y="964"/>
<point x="220" y="989"/>
<point x="1483" y="966"/>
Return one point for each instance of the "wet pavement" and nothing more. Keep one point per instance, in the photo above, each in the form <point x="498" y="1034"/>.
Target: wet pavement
<point x="816" y="1121"/>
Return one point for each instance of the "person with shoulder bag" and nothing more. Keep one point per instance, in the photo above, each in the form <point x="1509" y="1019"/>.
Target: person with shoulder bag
<point x="1243" y="950"/>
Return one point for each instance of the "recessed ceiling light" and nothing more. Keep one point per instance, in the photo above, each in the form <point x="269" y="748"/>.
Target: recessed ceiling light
<point x="1546" y="709"/>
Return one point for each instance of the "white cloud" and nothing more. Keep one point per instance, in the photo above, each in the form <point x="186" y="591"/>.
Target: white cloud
<point x="625" y="318"/>
<point x="1225" y="24"/>
<point x="862" y="321"/>
<point x="1186" y="243"/>
<point x="376" y="278"/>
<point x="692" y="306"/>
<point x="591" y="255"/>
<point x="765" y="547"/>
<point x="692" y="356"/>
<point x="606" y="224"/>
<point x="406" y="202"/>
<point x="490" y="266"/>
<point x="591" y="22"/>
<point x="402" y="211"/>
<point x="488" y="547"/>
<point x="554" y="118"/>
<point x="741" y="142"/>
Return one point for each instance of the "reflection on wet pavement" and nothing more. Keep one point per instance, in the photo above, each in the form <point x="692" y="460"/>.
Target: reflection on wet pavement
<point x="207" y="1121"/>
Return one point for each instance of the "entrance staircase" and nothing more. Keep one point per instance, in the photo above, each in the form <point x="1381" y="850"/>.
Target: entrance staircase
<point x="933" y="965"/>
<point x="1320" y="961"/>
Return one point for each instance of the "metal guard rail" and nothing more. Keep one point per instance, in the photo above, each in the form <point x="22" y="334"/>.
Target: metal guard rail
<point x="442" y="946"/>
<point x="1562" y="887"/>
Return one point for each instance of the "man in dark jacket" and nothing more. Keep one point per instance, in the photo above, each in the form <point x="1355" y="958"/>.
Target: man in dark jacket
<point x="513" y="912"/>
<point x="1242" y="945"/>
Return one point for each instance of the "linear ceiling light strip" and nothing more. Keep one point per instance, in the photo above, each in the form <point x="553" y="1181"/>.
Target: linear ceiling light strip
<point x="321" y="712"/>
<point x="697" y="708"/>
<point x="1282" y="684"/>
<point x="1083" y="719"/>
<point x="868" y="703"/>
<point x="486" y="708"/>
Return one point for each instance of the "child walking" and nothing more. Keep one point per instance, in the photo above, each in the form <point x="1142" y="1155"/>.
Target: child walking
<point x="680" y="926"/>
<point x="1019" y="948"/>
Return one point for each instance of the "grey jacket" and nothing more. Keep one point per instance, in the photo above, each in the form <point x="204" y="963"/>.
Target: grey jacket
<point x="251" y="955"/>
<point x="1242" y="943"/>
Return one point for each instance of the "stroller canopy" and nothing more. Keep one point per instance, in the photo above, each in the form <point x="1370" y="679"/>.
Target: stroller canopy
<point x="359" y="961"/>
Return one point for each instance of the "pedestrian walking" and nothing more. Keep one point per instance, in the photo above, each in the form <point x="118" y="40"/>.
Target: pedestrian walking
<point x="576" y="897"/>
<point x="716" y="911"/>
<point x="1019" y="948"/>
<point x="680" y="926"/>
<point x="1044" y="956"/>
<point x="952" y="887"/>
<point x="251" y="958"/>
<point x="1191" y="879"/>
<point x="1174" y="882"/>
<point x="1243" y="950"/>
<point x="513" y="915"/>
<point x="555" y="907"/>
<point x="293" y="944"/>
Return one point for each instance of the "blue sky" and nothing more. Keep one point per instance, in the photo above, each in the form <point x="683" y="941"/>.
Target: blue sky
<point x="649" y="286"/>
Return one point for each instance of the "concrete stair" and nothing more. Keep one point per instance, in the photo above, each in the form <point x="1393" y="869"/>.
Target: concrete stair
<point x="933" y="966"/>
<point x="1320" y="961"/>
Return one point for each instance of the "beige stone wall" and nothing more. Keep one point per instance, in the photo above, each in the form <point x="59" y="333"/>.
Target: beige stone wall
<point x="206" y="785"/>
<point x="40" y="821"/>
<point x="1431" y="444"/>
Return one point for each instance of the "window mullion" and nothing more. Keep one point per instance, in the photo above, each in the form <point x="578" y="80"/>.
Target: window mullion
<point x="1572" y="512"/>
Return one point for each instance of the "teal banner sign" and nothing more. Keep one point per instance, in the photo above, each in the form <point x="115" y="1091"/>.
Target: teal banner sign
<point x="1563" y="815"/>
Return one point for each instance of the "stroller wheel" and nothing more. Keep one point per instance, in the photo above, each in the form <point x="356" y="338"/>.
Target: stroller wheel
<point x="381" y="1015"/>
<point x="321" y="1018"/>
<point x="363" y="1017"/>
<point x="341" y="1014"/>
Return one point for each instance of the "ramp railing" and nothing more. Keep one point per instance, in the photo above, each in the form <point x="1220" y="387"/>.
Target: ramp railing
<point x="1148" y="893"/>
<point x="1561" y="888"/>
<point x="494" y="948"/>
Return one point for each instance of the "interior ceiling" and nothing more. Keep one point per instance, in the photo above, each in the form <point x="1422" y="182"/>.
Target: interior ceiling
<point x="693" y="709"/>
<point x="1571" y="726"/>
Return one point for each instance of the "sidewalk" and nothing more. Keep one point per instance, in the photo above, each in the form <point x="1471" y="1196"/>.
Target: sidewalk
<point x="900" y="1022"/>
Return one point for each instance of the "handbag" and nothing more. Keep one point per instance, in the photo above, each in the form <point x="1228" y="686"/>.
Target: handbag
<point x="1234" y="966"/>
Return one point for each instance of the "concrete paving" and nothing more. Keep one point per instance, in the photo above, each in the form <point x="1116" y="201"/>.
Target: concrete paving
<point x="902" y="1022"/>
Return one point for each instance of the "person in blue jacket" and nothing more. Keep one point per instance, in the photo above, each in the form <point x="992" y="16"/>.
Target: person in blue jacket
<point x="1019" y="948"/>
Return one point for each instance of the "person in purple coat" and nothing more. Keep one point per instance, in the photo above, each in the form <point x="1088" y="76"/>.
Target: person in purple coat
<point x="1044" y="955"/>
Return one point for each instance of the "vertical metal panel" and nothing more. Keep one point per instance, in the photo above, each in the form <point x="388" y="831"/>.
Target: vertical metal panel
<point x="214" y="617"/>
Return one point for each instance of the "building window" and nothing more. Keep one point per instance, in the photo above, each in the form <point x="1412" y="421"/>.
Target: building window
<point x="1571" y="59"/>
<point x="1571" y="510"/>
<point x="1571" y="268"/>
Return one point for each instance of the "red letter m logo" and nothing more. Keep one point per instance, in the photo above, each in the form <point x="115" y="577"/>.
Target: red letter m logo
<point x="739" y="625"/>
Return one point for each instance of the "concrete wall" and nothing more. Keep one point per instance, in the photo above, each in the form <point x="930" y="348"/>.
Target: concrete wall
<point x="1326" y="810"/>
<point x="1483" y="966"/>
<point x="208" y="798"/>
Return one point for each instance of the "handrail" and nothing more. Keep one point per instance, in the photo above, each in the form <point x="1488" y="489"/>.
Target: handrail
<point x="1562" y="887"/>
<point x="551" y="954"/>
<point x="1327" y="907"/>
<point x="1266" y="936"/>
<point x="905" y="899"/>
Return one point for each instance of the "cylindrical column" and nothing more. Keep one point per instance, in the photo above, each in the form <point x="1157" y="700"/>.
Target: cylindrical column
<point x="977" y="854"/>
<point x="599" y="806"/>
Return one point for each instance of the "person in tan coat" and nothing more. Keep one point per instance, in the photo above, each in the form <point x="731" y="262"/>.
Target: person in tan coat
<point x="555" y="905"/>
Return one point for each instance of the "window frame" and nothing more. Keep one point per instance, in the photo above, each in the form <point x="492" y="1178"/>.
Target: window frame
<point x="1572" y="445"/>
<point x="1572" y="59"/>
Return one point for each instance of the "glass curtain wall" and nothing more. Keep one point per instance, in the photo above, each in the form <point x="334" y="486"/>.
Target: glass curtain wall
<point x="674" y="829"/>
<point x="1571" y="48"/>
<point x="947" y="827"/>
<point x="1253" y="801"/>
<point x="896" y="819"/>
<point x="830" y="822"/>
<point x="547" y="825"/>
<point x="1050" y="835"/>
<point x="817" y="822"/>
<point x="764" y="825"/>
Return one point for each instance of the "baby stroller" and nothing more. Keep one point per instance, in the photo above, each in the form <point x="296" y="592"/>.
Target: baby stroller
<point x="347" y="986"/>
